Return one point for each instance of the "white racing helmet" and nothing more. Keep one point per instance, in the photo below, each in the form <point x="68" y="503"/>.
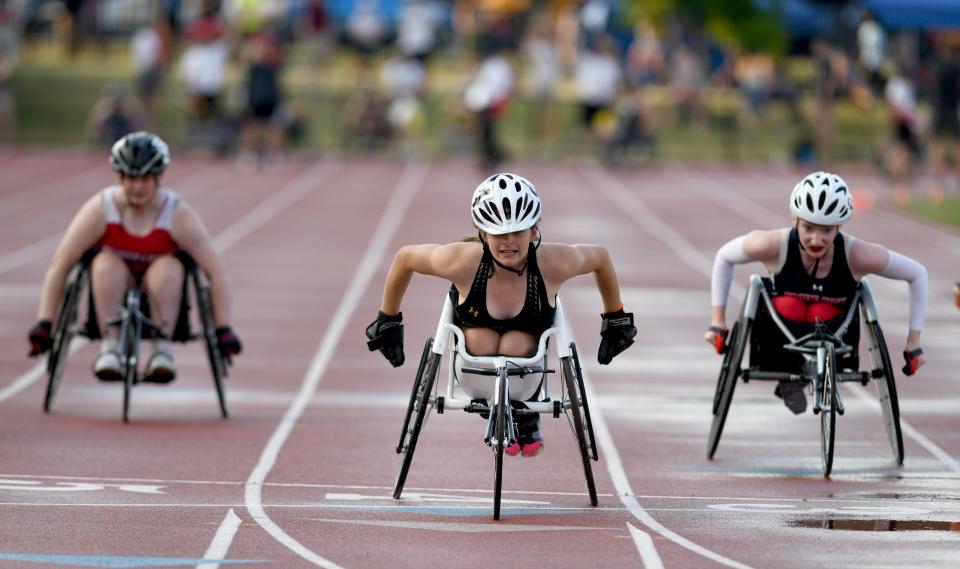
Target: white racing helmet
<point x="504" y="203"/>
<point x="822" y="198"/>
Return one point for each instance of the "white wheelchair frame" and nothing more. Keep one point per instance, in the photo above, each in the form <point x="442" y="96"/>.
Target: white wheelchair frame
<point x="500" y="432"/>
<point x="819" y="350"/>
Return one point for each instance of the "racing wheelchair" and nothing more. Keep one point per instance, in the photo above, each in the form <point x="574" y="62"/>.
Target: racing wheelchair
<point x="504" y="371"/>
<point x="135" y="324"/>
<point x="817" y="353"/>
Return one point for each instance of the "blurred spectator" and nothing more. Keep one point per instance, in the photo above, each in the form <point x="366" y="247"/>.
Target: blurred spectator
<point x="542" y="72"/>
<point x="74" y="25"/>
<point x="755" y="75"/>
<point x="687" y="78"/>
<point x="420" y="28"/>
<point x="633" y="138"/>
<point x="366" y="29"/>
<point x="946" y="122"/>
<point x="262" y="133"/>
<point x="645" y="64"/>
<point x="597" y="80"/>
<point x="9" y="53"/>
<point x="364" y="122"/>
<point x="114" y="115"/>
<point x="150" y="48"/>
<point x="824" y="94"/>
<point x="404" y="76"/>
<point x="905" y="148"/>
<point x="871" y="47"/>
<point x="203" y="68"/>
<point x="487" y="95"/>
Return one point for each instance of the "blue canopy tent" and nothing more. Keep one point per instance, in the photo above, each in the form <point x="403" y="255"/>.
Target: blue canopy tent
<point x="898" y="14"/>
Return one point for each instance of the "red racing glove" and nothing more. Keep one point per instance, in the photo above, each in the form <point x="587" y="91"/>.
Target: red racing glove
<point x="228" y="342"/>
<point x="719" y="338"/>
<point x="41" y="338"/>
<point x="912" y="362"/>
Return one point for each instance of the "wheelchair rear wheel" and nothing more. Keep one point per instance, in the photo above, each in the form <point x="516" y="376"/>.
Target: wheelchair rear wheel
<point x="882" y="374"/>
<point x="579" y="417"/>
<point x="827" y="395"/>
<point x="736" y="345"/>
<point x="424" y="356"/>
<point x="218" y="364"/>
<point x="62" y="337"/>
<point x="422" y="391"/>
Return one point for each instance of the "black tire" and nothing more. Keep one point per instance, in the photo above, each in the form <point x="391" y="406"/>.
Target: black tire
<point x="62" y="337"/>
<point x="886" y="390"/>
<point x="727" y="381"/>
<point x="413" y="392"/>
<point x="130" y="334"/>
<point x="828" y="410"/>
<point x="575" y="410"/>
<point x="424" y="388"/>
<point x="218" y="364"/>
<point x="501" y="433"/>
<point x="588" y="423"/>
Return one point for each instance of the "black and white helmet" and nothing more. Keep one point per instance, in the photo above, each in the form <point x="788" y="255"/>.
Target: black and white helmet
<point x="504" y="203"/>
<point x="822" y="198"/>
<point x="139" y="154"/>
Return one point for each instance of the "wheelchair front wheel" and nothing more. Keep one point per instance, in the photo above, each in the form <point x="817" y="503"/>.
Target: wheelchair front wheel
<point x="62" y="337"/>
<point x="727" y="381"/>
<point x="827" y="395"/>
<point x="576" y="411"/>
<point x="423" y="388"/>
<point x="882" y="374"/>
<point x="130" y="336"/>
<point x="501" y="436"/>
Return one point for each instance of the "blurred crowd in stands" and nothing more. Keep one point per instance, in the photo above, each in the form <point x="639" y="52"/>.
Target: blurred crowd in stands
<point x="627" y="75"/>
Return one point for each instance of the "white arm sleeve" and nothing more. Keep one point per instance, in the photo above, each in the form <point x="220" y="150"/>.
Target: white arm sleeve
<point x="730" y="254"/>
<point x="904" y="268"/>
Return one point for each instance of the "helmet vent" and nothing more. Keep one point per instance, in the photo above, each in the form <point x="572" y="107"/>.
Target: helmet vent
<point x="832" y="207"/>
<point x="809" y="202"/>
<point x="503" y="184"/>
<point x="822" y="200"/>
<point x="507" y="210"/>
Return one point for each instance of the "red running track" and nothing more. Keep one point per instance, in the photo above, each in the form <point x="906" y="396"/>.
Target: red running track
<point x="302" y="472"/>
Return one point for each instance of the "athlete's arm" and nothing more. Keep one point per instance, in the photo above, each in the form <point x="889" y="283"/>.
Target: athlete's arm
<point x="83" y="232"/>
<point x="191" y="235"/>
<point x="761" y="246"/>
<point x="560" y="262"/>
<point x="450" y="261"/>
<point x="870" y="258"/>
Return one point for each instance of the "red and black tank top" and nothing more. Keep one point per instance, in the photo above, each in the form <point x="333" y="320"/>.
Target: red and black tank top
<point x="138" y="251"/>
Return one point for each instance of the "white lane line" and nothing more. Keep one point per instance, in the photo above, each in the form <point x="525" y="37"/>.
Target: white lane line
<point x="406" y="189"/>
<point x="648" y="553"/>
<point x="631" y="205"/>
<point x="727" y="197"/>
<point x="221" y="541"/>
<point x="622" y="484"/>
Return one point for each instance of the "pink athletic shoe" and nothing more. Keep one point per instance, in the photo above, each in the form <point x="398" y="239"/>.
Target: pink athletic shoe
<point x="533" y="449"/>
<point x="512" y="450"/>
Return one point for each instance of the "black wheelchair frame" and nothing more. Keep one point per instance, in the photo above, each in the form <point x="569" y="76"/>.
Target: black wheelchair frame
<point x="135" y="325"/>
<point x="501" y="429"/>
<point x="820" y="350"/>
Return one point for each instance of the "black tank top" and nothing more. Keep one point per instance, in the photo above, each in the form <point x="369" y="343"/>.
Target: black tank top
<point x="535" y="316"/>
<point x="838" y="287"/>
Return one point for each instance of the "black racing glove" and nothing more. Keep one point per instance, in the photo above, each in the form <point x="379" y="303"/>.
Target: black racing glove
<point x="617" y="332"/>
<point x="228" y="342"/>
<point x="41" y="338"/>
<point x="386" y="334"/>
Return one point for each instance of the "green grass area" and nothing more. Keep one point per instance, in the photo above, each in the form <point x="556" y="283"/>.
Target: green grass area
<point x="946" y="212"/>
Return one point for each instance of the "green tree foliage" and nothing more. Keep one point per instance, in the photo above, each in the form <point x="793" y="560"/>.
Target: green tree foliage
<point x="734" y="22"/>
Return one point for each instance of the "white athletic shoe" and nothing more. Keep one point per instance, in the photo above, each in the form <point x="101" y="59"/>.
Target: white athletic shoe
<point x="107" y="366"/>
<point x="160" y="367"/>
